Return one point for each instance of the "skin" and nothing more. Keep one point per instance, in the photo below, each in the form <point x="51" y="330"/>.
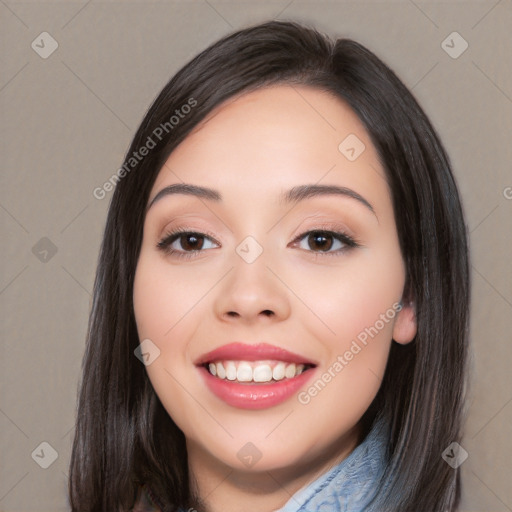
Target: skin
<point x="251" y="149"/>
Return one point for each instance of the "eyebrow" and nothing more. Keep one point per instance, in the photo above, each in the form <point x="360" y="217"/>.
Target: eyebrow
<point x="302" y="192"/>
<point x="187" y="189"/>
<point x="298" y="193"/>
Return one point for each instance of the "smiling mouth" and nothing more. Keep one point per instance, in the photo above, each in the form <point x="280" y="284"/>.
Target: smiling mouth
<point x="255" y="372"/>
<point x="254" y="376"/>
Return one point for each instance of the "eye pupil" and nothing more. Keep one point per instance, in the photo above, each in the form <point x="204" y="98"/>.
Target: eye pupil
<point x="319" y="239"/>
<point x="190" y="241"/>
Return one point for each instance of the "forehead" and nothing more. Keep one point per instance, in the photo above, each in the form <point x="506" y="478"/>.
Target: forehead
<point x="275" y="137"/>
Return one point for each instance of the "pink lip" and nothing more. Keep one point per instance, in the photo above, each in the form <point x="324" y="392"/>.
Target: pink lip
<point x="242" y="352"/>
<point x="253" y="395"/>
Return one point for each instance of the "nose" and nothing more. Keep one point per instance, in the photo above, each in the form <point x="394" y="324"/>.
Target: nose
<point x="250" y="293"/>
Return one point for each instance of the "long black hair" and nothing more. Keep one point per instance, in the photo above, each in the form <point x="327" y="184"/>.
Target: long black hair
<point x="124" y="437"/>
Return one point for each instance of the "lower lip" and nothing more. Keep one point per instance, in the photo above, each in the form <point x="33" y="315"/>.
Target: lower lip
<point x="251" y="395"/>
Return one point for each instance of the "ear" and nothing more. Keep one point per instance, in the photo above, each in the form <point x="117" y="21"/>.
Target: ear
<point x="405" y="326"/>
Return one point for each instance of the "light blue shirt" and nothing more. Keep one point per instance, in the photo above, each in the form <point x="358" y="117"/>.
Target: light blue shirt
<point x="350" y="485"/>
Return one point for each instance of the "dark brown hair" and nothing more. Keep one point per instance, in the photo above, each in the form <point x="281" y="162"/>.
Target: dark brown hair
<point x="124" y="437"/>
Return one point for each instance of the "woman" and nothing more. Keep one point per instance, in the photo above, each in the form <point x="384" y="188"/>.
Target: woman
<point x="286" y="253"/>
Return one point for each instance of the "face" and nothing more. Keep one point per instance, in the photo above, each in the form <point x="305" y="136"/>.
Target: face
<point x="287" y="272"/>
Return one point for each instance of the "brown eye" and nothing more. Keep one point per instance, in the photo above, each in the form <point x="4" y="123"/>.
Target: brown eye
<point x="325" y="242"/>
<point x="186" y="243"/>
<point x="320" y="240"/>
<point x="191" y="241"/>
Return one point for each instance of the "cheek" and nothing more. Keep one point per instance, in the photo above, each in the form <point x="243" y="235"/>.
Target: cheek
<point x="362" y="319"/>
<point x="357" y="304"/>
<point x="163" y="310"/>
<point x="163" y="298"/>
<point x="164" y="313"/>
<point x="346" y="301"/>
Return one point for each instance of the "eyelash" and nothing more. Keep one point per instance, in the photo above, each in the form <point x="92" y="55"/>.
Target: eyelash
<point x="170" y="237"/>
<point x="348" y="241"/>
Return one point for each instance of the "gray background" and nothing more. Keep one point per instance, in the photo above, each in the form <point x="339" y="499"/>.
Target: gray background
<point x="67" y="120"/>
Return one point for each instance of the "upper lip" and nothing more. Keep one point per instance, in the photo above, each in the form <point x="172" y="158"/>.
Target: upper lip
<point x="238" y="351"/>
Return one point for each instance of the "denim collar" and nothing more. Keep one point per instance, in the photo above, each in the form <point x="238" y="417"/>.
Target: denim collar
<point x="351" y="485"/>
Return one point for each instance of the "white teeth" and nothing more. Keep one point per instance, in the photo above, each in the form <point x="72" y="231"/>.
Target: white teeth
<point x="262" y="373"/>
<point x="245" y="371"/>
<point x="230" y="370"/>
<point x="221" y="372"/>
<point x="290" y="371"/>
<point x="278" y="372"/>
